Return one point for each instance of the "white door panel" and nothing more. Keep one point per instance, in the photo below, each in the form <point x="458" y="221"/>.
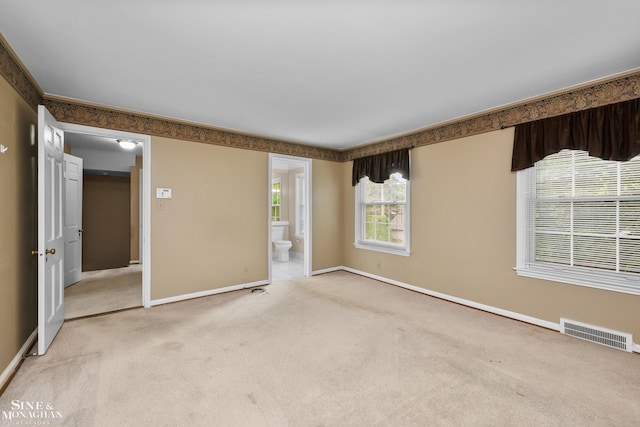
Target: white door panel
<point x="50" y="229"/>
<point x="72" y="219"/>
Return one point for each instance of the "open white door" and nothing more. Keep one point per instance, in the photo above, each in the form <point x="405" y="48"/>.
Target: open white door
<point x="50" y="229"/>
<point x="72" y="219"/>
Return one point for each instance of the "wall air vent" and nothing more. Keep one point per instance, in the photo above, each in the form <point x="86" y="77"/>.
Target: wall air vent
<point x="596" y="334"/>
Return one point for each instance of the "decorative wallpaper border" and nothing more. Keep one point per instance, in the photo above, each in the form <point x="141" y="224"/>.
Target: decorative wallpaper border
<point x="12" y="70"/>
<point x="601" y="93"/>
<point x="104" y="117"/>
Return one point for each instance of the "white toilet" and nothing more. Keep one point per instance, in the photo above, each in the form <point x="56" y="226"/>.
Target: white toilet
<point x="281" y="246"/>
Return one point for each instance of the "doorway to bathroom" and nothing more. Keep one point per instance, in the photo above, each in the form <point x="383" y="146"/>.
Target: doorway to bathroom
<point x="289" y="217"/>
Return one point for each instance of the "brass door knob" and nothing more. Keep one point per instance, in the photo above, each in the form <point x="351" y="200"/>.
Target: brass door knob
<point x="48" y="251"/>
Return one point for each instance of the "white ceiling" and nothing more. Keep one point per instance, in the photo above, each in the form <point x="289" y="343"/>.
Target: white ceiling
<point x="286" y="164"/>
<point x="331" y="73"/>
<point x="97" y="143"/>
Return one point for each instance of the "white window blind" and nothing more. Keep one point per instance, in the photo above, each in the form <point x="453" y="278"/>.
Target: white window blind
<point x="583" y="213"/>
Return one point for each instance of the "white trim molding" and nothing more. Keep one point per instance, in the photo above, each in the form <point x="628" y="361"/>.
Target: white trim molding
<point x="208" y="293"/>
<point x="146" y="194"/>
<point x="377" y="246"/>
<point x="381" y="247"/>
<point x="307" y="164"/>
<point x="328" y="270"/>
<point x="611" y="278"/>
<point x="468" y="303"/>
<point x="15" y="362"/>
<point x="488" y="308"/>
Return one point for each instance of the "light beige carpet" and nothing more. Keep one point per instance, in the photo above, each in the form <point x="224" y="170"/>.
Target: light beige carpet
<point x="102" y="291"/>
<point x="331" y="350"/>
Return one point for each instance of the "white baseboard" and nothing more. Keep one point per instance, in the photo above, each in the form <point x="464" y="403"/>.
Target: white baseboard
<point x="469" y="303"/>
<point x="209" y="292"/>
<point x="16" y="360"/>
<point x="488" y="308"/>
<point x="327" y="270"/>
<point x="134" y="261"/>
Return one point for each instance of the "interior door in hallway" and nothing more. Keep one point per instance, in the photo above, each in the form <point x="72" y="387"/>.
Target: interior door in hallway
<point x="50" y="229"/>
<point x="72" y="219"/>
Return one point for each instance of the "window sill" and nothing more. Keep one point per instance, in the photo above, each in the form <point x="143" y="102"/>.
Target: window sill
<point x="627" y="283"/>
<point x="393" y="250"/>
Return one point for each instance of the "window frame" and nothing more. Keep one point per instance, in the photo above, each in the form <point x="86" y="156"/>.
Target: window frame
<point x="274" y="181"/>
<point x="360" y="212"/>
<point x="624" y="282"/>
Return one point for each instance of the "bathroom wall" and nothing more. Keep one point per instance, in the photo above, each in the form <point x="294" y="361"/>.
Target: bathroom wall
<point x="298" y="241"/>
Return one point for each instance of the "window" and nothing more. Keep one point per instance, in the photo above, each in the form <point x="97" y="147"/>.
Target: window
<point x="579" y="221"/>
<point x="382" y="215"/>
<point x="276" y="199"/>
<point x="300" y="210"/>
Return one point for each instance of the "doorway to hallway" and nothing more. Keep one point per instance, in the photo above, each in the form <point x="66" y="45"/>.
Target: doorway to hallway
<point x="111" y="277"/>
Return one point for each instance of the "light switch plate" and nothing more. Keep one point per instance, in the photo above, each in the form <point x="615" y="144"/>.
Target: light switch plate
<point x="163" y="193"/>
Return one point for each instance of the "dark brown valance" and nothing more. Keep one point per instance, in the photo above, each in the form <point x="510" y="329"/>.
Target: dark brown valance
<point x="610" y="132"/>
<point x="380" y="166"/>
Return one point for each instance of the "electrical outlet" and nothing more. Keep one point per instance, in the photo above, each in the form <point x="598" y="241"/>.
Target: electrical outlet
<point x="245" y="270"/>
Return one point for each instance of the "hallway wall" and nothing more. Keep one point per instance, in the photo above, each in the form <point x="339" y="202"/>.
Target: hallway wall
<point x="106" y="220"/>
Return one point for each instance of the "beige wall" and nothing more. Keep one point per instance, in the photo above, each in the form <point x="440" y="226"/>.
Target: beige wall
<point x="18" y="284"/>
<point x="463" y="237"/>
<point x="327" y="213"/>
<point x="215" y="225"/>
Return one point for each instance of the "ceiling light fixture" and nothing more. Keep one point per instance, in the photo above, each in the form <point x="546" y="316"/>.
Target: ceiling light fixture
<point x="127" y="144"/>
